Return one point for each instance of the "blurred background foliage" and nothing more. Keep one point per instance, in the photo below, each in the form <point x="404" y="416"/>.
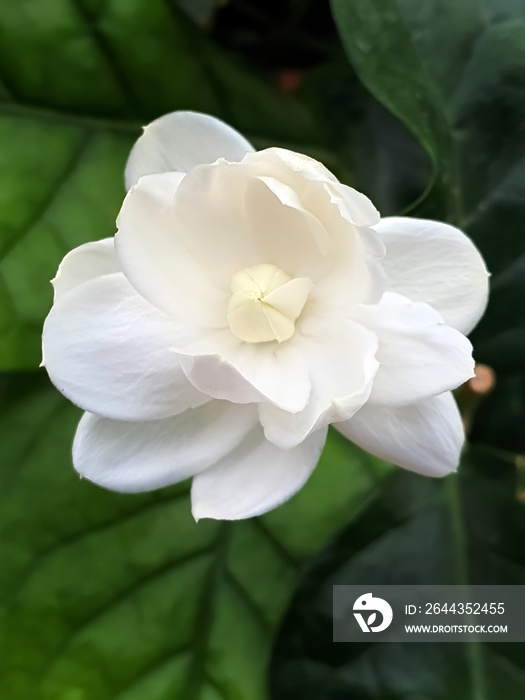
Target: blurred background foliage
<point x="421" y="105"/>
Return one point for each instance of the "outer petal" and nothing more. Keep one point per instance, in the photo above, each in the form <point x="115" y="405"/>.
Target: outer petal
<point x="132" y="457"/>
<point x="110" y="351"/>
<point x="84" y="263"/>
<point x="341" y="363"/>
<point x="254" y="478"/>
<point x="436" y="263"/>
<point x="425" y="437"/>
<point x="419" y="355"/>
<point x="226" y="368"/>
<point x="179" y="141"/>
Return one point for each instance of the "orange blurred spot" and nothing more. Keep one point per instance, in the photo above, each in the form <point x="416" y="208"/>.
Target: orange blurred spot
<point x="289" y="79"/>
<point x="483" y="382"/>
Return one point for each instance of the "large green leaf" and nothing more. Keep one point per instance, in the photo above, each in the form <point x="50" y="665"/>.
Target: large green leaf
<point x="466" y="529"/>
<point x="78" y="79"/>
<point x="454" y="72"/>
<point x="106" y="596"/>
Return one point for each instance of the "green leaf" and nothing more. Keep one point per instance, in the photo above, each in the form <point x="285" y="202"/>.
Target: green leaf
<point x="454" y="72"/>
<point x="465" y="529"/>
<point x="79" y="78"/>
<point x="107" y="597"/>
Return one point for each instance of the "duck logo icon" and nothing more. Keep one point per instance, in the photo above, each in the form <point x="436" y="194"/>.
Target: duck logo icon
<point x="367" y="603"/>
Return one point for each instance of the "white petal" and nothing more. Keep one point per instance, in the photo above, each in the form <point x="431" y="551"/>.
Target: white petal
<point x="341" y="363"/>
<point x="287" y="165"/>
<point x="111" y="352"/>
<point x="226" y="368"/>
<point x="425" y="437"/>
<point x="150" y="248"/>
<point x="84" y="263"/>
<point x="436" y="263"/>
<point x="254" y="478"/>
<point x="354" y="206"/>
<point x="229" y="219"/>
<point x="288" y="198"/>
<point x="303" y="174"/>
<point x="179" y="141"/>
<point x="419" y="355"/>
<point x="131" y="457"/>
<point x="348" y="269"/>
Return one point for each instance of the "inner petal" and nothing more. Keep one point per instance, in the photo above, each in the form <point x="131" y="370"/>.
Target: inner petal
<point x="265" y="303"/>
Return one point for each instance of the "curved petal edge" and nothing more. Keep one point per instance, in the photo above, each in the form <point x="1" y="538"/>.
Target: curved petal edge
<point x="425" y="437"/>
<point x="181" y="140"/>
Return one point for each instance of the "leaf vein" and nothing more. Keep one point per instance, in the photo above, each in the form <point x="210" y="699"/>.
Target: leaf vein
<point x="55" y="190"/>
<point x="117" y="599"/>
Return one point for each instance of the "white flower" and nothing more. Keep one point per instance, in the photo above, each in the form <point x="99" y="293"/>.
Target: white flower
<point x="247" y="302"/>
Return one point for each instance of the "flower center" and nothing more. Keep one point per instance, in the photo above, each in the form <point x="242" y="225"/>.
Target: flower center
<point x="265" y="303"/>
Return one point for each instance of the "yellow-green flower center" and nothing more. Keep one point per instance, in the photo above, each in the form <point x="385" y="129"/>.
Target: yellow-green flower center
<point x="265" y="303"/>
